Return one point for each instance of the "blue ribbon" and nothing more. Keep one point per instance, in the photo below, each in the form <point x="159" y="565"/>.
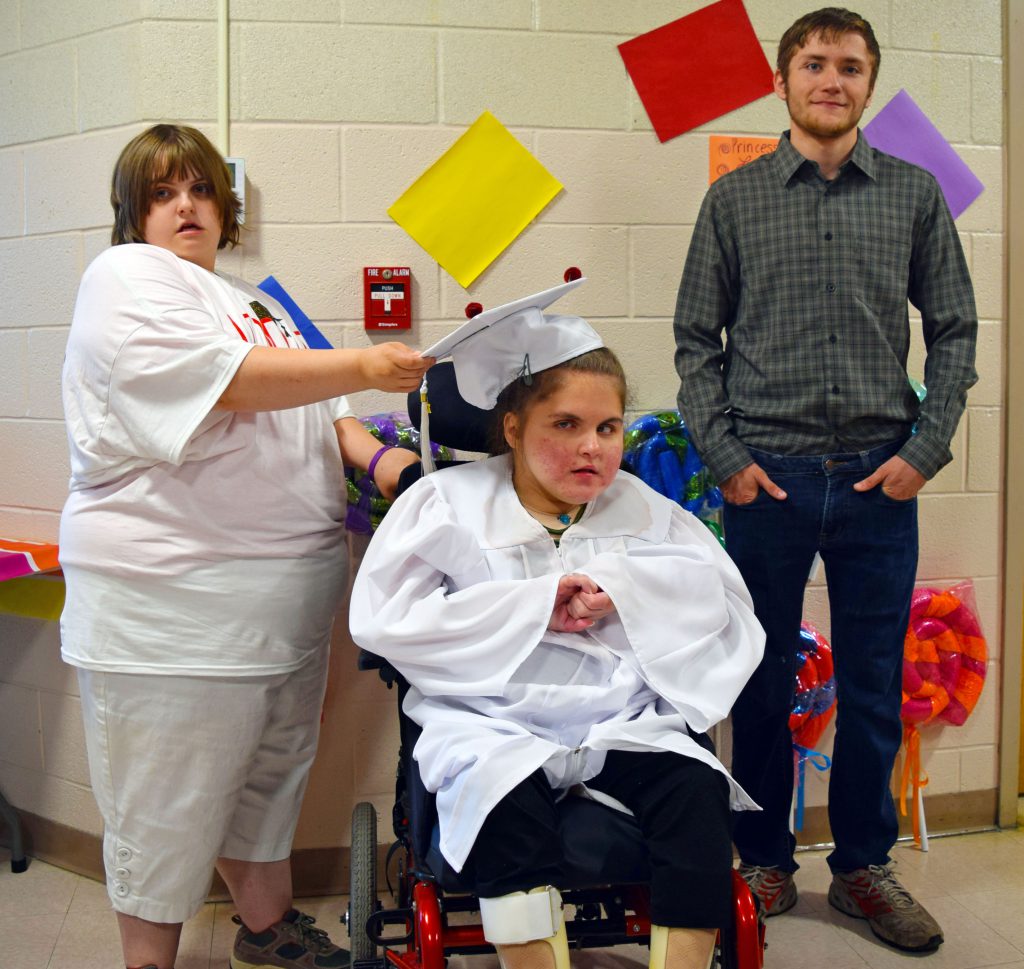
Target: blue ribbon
<point x="820" y="762"/>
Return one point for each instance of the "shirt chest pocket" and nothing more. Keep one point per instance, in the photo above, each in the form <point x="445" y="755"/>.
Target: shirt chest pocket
<point x="876" y="257"/>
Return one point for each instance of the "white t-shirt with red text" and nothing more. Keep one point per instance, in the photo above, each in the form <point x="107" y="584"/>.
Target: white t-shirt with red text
<point x="193" y="540"/>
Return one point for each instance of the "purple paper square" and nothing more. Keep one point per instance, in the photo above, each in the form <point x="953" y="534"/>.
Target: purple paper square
<point x="902" y="129"/>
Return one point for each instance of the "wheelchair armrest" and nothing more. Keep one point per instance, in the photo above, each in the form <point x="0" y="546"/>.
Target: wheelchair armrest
<point x="371" y="661"/>
<point x="408" y="477"/>
<point x="703" y="740"/>
<point x="413" y="472"/>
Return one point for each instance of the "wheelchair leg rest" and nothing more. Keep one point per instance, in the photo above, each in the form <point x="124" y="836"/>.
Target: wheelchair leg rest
<point x="673" y="948"/>
<point x="527" y="929"/>
<point x="550" y="953"/>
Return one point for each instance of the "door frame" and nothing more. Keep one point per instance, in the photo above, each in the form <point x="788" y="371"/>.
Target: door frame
<point x="1011" y="745"/>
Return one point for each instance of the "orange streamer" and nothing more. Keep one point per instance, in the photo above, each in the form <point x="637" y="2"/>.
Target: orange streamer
<point x="912" y="775"/>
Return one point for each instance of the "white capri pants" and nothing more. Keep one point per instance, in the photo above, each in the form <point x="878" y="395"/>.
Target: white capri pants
<point x="189" y="769"/>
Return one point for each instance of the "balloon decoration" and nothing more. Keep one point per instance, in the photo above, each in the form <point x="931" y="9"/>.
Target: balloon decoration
<point x="659" y="451"/>
<point x="814" y="704"/>
<point x="944" y="656"/>
<point x="366" y="505"/>
<point x="815" y="699"/>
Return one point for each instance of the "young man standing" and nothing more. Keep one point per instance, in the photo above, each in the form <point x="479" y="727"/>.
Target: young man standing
<point x="806" y="259"/>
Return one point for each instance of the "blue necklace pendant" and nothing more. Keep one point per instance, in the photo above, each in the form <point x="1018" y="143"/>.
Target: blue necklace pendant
<point x="564" y="518"/>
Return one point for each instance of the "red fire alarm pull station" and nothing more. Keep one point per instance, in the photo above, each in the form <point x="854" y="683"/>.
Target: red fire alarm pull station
<point x="387" y="297"/>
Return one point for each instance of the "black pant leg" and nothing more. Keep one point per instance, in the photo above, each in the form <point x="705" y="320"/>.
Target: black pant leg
<point x="518" y="847"/>
<point x="682" y="807"/>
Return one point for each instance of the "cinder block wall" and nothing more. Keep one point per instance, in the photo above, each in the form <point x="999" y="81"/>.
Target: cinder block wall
<point x="337" y="105"/>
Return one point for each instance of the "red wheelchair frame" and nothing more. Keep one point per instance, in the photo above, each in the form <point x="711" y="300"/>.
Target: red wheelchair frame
<point x="429" y="921"/>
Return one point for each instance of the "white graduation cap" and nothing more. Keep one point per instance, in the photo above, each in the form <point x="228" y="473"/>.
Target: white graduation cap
<point x="499" y="345"/>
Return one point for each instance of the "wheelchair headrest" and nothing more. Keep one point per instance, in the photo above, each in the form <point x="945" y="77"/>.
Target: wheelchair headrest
<point x="453" y="421"/>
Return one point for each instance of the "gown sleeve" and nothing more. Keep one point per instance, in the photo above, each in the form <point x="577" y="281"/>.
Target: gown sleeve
<point x="687" y="616"/>
<point x="424" y="599"/>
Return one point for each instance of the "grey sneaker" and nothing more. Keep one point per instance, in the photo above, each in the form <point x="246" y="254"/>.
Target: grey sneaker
<point x="873" y="893"/>
<point x="292" y="943"/>
<point x="774" y="888"/>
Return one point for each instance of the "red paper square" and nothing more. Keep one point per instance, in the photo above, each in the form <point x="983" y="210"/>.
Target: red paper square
<point x="697" y="68"/>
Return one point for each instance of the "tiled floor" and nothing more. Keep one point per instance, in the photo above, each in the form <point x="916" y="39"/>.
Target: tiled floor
<point x="973" y="884"/>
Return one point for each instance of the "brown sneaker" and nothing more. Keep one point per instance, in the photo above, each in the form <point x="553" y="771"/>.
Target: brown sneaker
<point x="774" y="888"/>
<point x="292" y="943"/>
<point x="873" y="893"/>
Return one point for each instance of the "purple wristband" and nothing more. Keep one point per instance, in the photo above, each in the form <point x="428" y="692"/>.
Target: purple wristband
<point x="376" y="458"/>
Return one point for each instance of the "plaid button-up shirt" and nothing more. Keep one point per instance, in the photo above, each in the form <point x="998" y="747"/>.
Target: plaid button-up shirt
<point x="809" y="280"/>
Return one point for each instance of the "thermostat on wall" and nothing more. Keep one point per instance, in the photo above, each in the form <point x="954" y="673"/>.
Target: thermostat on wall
<point x="236" y="166"/>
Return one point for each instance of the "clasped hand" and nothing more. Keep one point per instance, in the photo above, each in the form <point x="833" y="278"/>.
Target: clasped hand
<point x="579" y="603"/>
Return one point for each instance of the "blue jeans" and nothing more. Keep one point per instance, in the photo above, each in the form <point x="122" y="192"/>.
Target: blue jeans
<point x="868" y="544"/>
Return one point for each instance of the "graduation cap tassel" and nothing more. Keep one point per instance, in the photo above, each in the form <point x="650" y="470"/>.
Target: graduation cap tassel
<point x="524" y="373"/>
<point x="426" y="455"/>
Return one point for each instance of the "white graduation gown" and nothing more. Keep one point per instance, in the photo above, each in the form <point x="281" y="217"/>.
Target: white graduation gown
<point x="456" y="591"/>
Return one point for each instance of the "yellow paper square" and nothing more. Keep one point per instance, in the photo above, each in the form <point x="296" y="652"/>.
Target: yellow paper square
<point x="475" y="199"/>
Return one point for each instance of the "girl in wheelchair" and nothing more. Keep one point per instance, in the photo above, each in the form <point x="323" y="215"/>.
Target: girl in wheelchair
<point x="562" y="626"/>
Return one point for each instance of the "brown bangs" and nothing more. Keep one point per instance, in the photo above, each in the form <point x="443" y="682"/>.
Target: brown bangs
<point x="831" y="23"/>
<point x="168" y="152"/>
<point x="519" y="395"/>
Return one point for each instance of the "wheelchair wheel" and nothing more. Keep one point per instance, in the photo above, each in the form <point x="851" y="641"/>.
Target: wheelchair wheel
<point x="362" y="901"/>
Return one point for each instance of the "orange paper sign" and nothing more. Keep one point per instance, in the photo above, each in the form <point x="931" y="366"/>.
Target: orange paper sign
<point x="726" y="153"/>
